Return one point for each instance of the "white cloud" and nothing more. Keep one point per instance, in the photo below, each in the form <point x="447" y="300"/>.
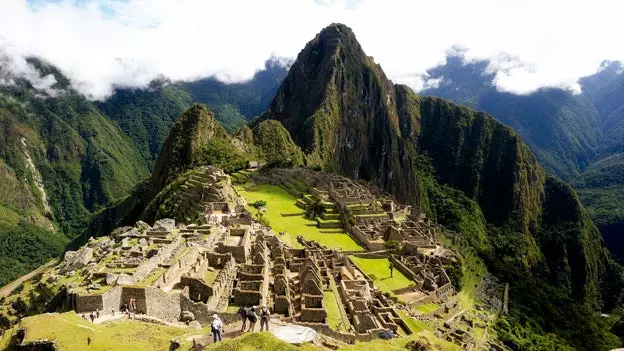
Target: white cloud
<point x="13" y="66"/>
<point x="132" y="42"/>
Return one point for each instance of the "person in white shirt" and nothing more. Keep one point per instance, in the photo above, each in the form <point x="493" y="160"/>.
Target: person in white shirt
<point x="217" y="328"/>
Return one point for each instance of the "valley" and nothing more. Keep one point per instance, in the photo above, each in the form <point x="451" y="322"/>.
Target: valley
<point x="187" y="272"/>
<point x="346" y="203"/>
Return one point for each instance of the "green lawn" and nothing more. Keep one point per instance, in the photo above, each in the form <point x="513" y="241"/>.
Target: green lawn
<point x="378" y="270"/>
<point x="399" y="344"/>
<point x="414" y="324"/>
<point x="71" y="332"/>
<point x="280" y="201"/>
<point x="427" y="308"/>
<point x="473" y="270"/>
<point x="259" y="342"/>
<point x="334" y="317"/>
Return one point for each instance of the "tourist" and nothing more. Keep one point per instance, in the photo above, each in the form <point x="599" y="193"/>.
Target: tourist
<point x="92" y="317"/>
<point x="217" y="328"/>
<point x="97" y="313"/>
<point x="242" y="314"/>
<point x="391" y="268"/>
<point x="88" y="340"/>
<point x="113" y="311"/>
<point x="252" y="317"/>
<point x="264" y="318"/>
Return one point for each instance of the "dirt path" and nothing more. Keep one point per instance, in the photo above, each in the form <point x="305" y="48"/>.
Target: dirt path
<point x="6" y="290"/>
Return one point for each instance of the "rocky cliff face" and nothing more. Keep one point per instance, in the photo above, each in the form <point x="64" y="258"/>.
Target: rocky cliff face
<point x="194" y="129"/>
<point x="339" y="106"/>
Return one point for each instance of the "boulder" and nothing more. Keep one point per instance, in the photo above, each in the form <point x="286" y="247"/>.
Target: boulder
<point x="195" y="325"/>
<point x="124" y="279"/>
<point x="142" y="242"/>
<point x="187" y="316"/>
<point x="130" y="233"/>
<point x="167" y="223"/>
<point x="117" y="232"/>
<point x="111" y="278"/>
<point x="75" y="260"/>
<point x="125" y="243"/>
<point x="142" y="226"/>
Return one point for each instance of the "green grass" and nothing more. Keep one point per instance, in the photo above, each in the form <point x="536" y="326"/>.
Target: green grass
<point x="427" y="308"/>
<point x="257" y="342"/>
<point x="71" y="332"/>
<point x="399" y="344"/>
<point x="280" y="201"/>
<point x="473" y="271"/>
<point x="150" y="279"/>
<point x="415" y="325"/>
<point x="210" y="276"/>
<point x="334" y="317"/>
<point x="377" y="269"/>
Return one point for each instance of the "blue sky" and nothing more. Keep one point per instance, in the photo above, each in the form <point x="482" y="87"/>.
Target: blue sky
<point x="99" y="44"/>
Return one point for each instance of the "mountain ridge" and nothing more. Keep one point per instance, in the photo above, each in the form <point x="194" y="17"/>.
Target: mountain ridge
<point x="349" y="118"/>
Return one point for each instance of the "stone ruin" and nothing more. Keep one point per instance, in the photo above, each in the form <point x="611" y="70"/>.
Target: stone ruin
<point x="182" y="272"/>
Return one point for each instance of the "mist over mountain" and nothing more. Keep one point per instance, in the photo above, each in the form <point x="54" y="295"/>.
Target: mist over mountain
<point x="64" y="157"/>
<point x="578" y="137"/>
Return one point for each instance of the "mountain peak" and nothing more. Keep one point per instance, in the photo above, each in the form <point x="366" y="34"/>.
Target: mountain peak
<point x="191" y="131"/>
<point x="332" y="37"/>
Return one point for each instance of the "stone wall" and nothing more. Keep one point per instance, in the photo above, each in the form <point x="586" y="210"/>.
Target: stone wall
<point x="88" y="303"/>
<point x="403" y="268"/>
<point x="112" y="299"/>
<point x="162" y="305"/>
<point x="147" y="266"/>
<point x="139" y="295"/>
<point x="202" y="313"/>
<point x="347" y="338"/>
<point x="247" y="297"/>
<point x="181" y="265"/>
<point x="198" y="289"/>
<point x="313" y="308"/>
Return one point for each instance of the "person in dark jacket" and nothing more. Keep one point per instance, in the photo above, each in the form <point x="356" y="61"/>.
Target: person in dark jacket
<point x="242" y="314"/>
<point x="252" y="317"/>
<point x="264" y="318"/>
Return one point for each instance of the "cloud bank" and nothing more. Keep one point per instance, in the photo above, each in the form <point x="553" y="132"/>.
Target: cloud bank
<point x="102" y="44"/>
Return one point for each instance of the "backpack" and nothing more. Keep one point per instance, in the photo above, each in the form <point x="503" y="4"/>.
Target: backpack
<point x="242" y="312"/>
<point x="252" y="316"/>
<point x="265" y="314"/>
<point x="216" y="325"/>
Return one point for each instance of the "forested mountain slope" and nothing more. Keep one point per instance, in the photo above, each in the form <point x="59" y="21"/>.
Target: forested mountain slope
<point x="63" y="157"/>
<point x="463" y="167"/>
<point x="579" y="137"/>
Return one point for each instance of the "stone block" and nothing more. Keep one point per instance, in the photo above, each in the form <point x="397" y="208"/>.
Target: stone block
<point x="132" y="232"/>
<point x="111" y="278"/>
<point x="187" y="316"/>
<point x="124" y="279"/>
<point x="167" y="223"/>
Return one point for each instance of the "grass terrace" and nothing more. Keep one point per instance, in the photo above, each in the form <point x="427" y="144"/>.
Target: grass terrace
<point x="71" y="332"/>
<point x="473" y="272"/>
<point x="280" y="201"/>
<point x="211" y="276"/>
<point x="415" y="325"/>
<point x="150" y="279"/>
<point x="259" y="342"/>
<point x="427" y="308"/>
<point x="400" y="344"/>
<point x="378" y="270"/>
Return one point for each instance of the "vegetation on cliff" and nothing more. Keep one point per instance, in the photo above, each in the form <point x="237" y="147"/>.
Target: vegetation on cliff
<point x="478" y="178"/>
